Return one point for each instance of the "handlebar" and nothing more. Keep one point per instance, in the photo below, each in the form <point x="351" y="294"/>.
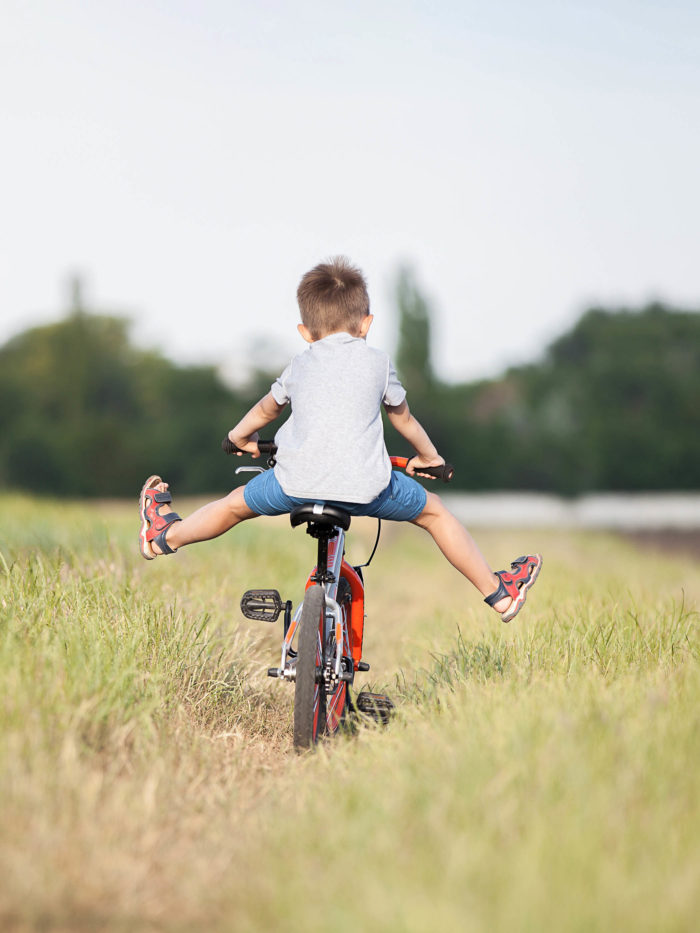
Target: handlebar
<point x="265" y="447"/>
<point x="444" y="472"/>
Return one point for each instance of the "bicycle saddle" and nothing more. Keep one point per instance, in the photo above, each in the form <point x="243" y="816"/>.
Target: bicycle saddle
<point x="321" y="514"/>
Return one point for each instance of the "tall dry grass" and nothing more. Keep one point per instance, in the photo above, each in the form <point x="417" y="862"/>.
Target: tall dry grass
<point x="541" y="775"/>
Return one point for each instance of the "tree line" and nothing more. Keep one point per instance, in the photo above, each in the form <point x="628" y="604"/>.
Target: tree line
<point x="614" y="404"/>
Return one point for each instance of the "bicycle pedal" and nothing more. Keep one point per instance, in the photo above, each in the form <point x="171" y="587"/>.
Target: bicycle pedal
<point x="273" y="672"/>
<point x="262" y="605"/>
<point x="363" y="665"/>
<point x="376" y="705"/>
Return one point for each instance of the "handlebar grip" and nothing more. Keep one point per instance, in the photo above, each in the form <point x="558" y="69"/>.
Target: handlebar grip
<point x="229" y="447"/>
<point x="444" y="472"/>
<point x="265" y="447"/>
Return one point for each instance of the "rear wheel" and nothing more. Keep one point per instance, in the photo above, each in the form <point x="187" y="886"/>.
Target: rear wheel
<point x="309" y="687"/>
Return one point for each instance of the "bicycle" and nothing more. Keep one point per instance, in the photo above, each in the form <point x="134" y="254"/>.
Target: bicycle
<point x="322" y="639"/>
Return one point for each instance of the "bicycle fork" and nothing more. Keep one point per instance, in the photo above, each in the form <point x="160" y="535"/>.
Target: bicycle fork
<point x="346" y="627"/>
<point x="287" y="668"/>
<point x="326" y="574"/>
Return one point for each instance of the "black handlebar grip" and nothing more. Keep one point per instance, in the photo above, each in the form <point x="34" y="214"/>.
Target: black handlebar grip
<point x="444" y="472"/>
<point x="265" y="447"/>
<point x="228" y="446"/>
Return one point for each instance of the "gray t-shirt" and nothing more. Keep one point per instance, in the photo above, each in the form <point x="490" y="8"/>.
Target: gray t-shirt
<point x="332" y="445"/>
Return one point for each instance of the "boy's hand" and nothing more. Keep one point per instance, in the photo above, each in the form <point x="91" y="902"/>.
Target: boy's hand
<point x="248" y="445"/>
<point x="414" y="465"/>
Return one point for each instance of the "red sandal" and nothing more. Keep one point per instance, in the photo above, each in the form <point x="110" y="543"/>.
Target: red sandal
<point x="154" y="526"/>
<point x="515" y="583"/>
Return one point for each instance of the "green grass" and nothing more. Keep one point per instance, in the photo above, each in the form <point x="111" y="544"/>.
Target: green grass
<point x="542" y="775"/>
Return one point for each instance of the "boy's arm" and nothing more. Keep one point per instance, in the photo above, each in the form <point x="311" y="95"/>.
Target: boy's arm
<point x="407" y="426"/>
<point x="245" y="434"/>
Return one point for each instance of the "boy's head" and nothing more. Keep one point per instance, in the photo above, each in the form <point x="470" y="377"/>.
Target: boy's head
<point x="333" y="297"/>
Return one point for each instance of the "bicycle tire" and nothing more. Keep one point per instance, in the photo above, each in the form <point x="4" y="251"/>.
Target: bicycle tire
<point x="310" y="691"/>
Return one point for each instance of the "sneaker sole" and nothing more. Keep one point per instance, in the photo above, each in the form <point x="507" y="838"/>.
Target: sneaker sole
<point x="144" y="544"/>
<point x="518" y="603"/>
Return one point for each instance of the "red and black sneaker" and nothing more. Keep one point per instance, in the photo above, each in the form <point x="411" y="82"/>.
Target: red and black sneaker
<point x="516" y="583"/>
<point x="154" y="526"/>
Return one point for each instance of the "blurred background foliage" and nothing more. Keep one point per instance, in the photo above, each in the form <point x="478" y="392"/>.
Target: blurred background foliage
<point x="85" y="411"/>
<point x="614" y="404"/>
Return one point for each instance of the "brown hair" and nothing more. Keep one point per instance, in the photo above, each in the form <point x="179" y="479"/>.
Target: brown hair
<point x="333" y="297"/>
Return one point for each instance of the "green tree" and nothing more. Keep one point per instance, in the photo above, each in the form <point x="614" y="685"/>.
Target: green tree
<point x="627" y="385"/>
<point x="413" y="353"/>
<point x="82" y="411"/>
<point x="612" y="405"/>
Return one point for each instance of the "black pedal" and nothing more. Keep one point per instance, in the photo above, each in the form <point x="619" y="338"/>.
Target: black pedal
<point x="363" y="665"/>
<point x="262" y="605"/>
<point x="273" y="672"/>
<point x="376" y="705"/>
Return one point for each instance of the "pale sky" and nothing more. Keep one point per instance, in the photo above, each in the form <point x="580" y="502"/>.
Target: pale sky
<point x="192" y="159"/>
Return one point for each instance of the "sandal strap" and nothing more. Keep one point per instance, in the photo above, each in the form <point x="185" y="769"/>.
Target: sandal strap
<point x="160" y="497"/>
<point x="160" y="523"/>
<point x="499" y="594"/>
<point x="162" y="543"/>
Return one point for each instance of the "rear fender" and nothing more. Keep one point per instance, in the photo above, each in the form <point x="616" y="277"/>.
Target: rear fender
<point x="357" y="610"/>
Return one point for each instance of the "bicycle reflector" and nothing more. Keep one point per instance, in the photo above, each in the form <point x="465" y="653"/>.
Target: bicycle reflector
<point x="263" y="605"/>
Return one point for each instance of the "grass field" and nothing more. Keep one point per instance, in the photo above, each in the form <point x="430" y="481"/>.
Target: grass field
<point x="540" y="776"/>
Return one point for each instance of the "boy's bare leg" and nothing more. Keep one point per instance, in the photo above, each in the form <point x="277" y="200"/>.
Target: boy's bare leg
<point x="212" y="520"/>
<point x="459" y="548"/>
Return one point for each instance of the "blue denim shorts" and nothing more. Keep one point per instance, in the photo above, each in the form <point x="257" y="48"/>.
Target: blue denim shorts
<point x="402" y="500"/>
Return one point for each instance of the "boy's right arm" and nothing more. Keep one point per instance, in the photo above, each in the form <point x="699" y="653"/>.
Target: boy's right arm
<point x="245" y="434"/>
<point x="412" y="430"/>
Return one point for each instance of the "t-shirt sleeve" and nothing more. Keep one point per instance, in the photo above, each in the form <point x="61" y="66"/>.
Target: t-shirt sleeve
<point x="394" y="393"/>
<point x="280" y="387"/>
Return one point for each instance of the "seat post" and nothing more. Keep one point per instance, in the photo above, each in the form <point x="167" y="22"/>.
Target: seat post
<point x="323" y="521"/>
<point x="323" y="535"/>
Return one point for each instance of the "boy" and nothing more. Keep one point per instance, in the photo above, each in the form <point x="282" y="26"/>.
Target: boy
<point x="346" y="465"/>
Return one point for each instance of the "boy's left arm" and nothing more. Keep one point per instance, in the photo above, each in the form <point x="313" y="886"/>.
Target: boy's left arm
<point x="245" y="434"/>
<point x="414" y="432"/>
